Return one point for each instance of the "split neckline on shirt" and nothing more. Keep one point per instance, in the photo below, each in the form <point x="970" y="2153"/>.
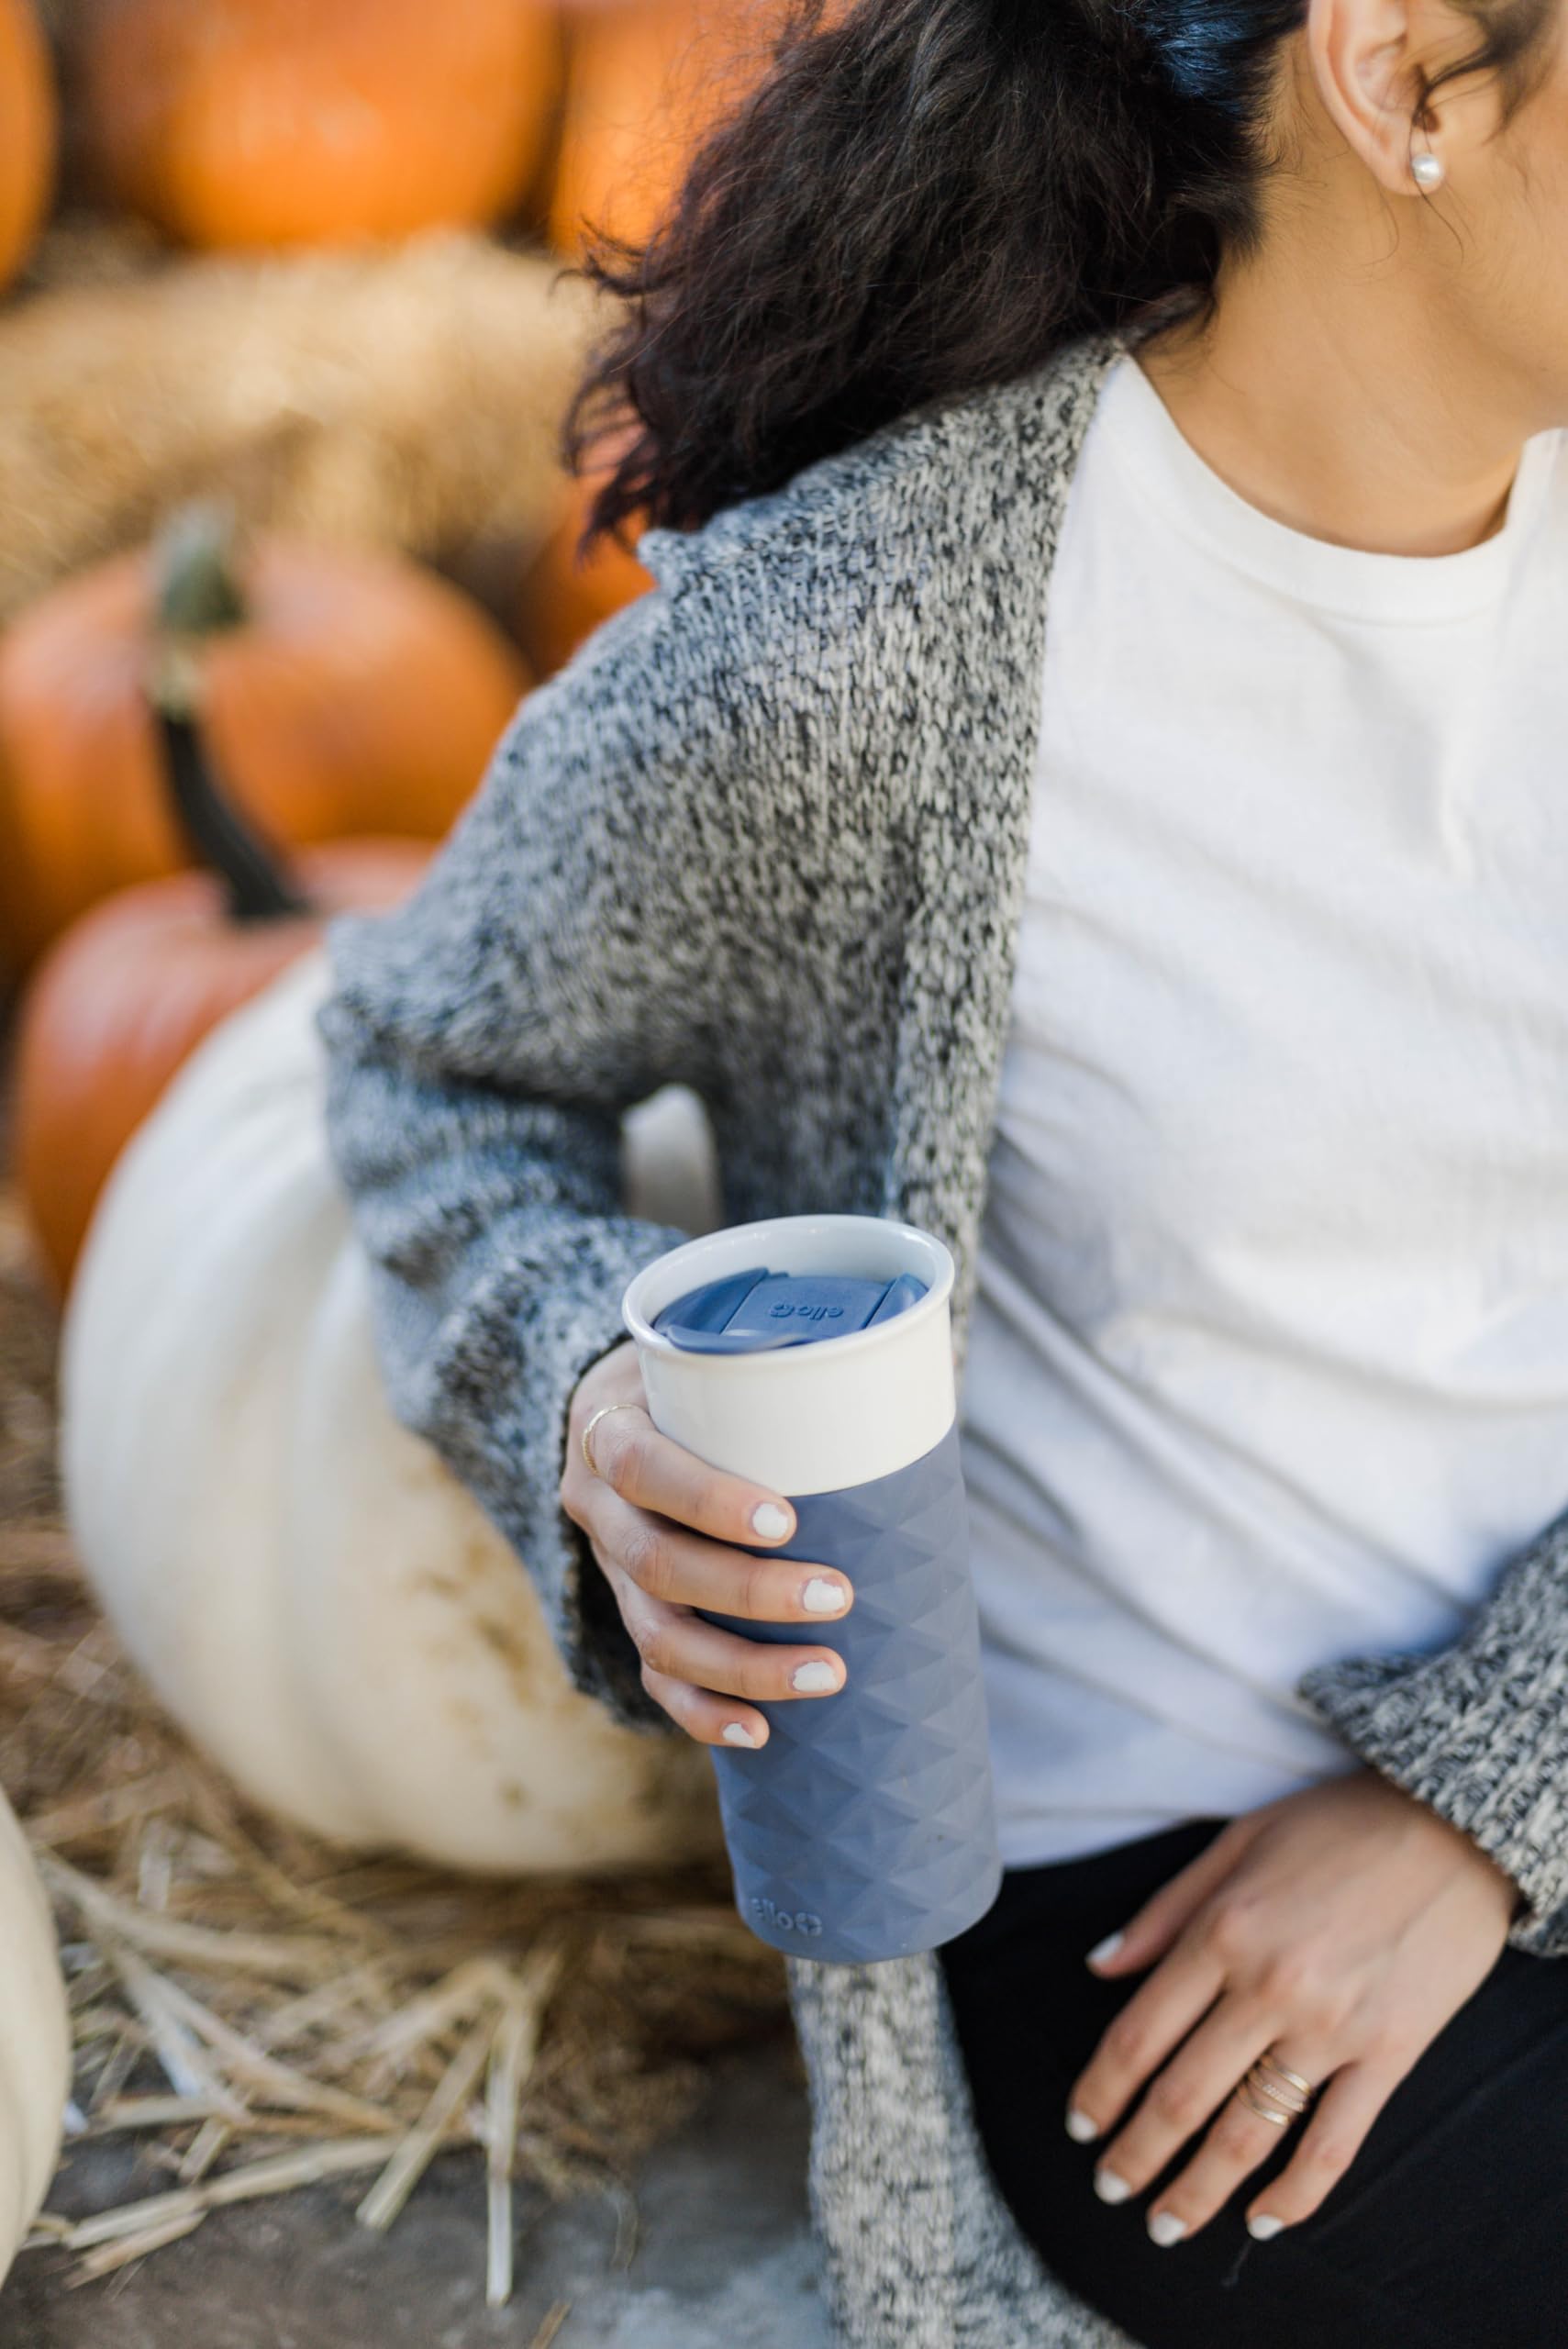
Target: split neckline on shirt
<point x="1351" y="581"/>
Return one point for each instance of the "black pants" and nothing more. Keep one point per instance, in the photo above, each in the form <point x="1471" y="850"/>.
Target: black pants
<point x="1449" y="2231"/>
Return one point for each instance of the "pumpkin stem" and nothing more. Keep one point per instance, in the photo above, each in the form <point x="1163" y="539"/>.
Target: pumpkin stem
<point x="258" y="887"/>
<point x="195" y="571"/>
<point x="199" y="596"/>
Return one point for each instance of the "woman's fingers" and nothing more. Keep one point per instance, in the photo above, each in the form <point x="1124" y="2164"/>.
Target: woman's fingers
<point x="1153" y="1929"/>
<point x="1240" y="2139"/>
<point x="1351" y="1925"/>
<point x="678" y="1645"/>
<point x="1190" y="2088"/>
<point x="1328" y="2143"/>
<point x="655" y="1473"/>
<point x="662" y="1522"/>
<point x="1155" y="2020"/>
<point x="682" y="1569"/>
<point x="711" y="1719"/>
<point x="692" y="1667"/>
<point x="1233" y="2147"/>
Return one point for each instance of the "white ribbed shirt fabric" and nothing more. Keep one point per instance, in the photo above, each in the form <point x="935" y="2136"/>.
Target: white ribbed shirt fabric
<point x="1268" y="1362"/>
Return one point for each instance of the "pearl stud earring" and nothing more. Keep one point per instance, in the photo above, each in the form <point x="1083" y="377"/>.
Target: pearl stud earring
<point x="1426" y="171"/>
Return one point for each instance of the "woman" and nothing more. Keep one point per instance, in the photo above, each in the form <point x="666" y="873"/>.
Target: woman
<point x="1195" y="967"/>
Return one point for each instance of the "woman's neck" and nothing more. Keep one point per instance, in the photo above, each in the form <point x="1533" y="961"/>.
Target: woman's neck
<point x="1334" y="405"/>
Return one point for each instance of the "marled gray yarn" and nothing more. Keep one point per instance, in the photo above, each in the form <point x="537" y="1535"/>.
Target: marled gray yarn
<point x="765" y="835"/>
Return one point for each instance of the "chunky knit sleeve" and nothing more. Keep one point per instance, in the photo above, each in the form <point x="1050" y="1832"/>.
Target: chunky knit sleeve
<point x="583" y="938"/>
<point x="1479" y="1729"/>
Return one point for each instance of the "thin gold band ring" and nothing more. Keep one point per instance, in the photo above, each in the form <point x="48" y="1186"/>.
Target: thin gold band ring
<point x="1268" y="2063"/>
<point x="1265" y="2111"/>
<point x="602" y="1413"/>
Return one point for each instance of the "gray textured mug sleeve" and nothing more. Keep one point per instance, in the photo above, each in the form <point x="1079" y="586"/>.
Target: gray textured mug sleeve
<point x="1478" y="1730"/>
<point x="562" y="960"/>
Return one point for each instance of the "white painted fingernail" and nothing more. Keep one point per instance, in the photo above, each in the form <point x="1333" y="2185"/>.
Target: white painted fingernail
<point x="1111" y="2187"/>
<point x="1080" y="2127"/>
<point x="737" y="1733"/>
<point x="814" y="1675"/>
<point x="823" y="1597"/>
<point x="1263" y="2228"/>
<point x="1104" y="1951"/>
<point x="1165" y="2228"/>
<point x="770" y="1521"/>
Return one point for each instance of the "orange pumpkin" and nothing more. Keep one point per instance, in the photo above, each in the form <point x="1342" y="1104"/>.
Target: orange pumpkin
<point x="29" y="132"/>
<point x="127" y="995"/>
<point x="563" y="599"/>
<point x="645" y="81"/>
<point x="344" y="694"/>
<point x="305" y="122"/>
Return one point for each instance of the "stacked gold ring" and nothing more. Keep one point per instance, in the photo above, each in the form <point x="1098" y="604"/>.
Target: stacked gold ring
<point x="1288" y="2095"/>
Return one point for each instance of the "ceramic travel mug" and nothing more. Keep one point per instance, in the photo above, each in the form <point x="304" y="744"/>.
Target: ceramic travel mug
<point x="813" y="1353"/>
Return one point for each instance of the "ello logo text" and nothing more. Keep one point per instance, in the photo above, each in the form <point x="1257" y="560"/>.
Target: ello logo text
<point x="801" y="1922"/>
<point x="783" y="1310"/>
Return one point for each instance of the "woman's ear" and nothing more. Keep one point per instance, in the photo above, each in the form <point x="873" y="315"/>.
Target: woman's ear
<point x="1371" y="61"/>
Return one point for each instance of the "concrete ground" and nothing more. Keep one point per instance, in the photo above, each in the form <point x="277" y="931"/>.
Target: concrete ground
<point x="723" y="2260"/>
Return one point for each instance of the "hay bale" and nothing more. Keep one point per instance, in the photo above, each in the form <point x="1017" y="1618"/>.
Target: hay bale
<point x="406" y="397"/>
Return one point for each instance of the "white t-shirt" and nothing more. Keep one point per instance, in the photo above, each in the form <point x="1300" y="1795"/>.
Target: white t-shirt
<point x="1269" y="1357"/>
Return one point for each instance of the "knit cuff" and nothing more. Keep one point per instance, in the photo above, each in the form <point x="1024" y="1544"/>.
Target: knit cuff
<point x="1478" y="1732"/>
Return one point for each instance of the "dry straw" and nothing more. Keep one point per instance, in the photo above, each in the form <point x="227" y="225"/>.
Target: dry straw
<point x="263" y="2014"/>
<point x="406" y="397"/>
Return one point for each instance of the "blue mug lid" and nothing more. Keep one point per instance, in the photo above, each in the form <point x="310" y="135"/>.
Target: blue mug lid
<point x="753" y="1312"/>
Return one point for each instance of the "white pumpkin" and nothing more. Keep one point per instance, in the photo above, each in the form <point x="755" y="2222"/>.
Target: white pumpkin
<point x="315" y="1597"/>
<point x="34" y="2041"/>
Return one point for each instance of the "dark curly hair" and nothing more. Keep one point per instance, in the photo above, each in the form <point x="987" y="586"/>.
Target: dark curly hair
<point x="918" y="197"/>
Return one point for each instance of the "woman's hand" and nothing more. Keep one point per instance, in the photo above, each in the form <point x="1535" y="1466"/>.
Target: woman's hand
<point x="657" y="1519"/>
<point x="1338" y="1929"/>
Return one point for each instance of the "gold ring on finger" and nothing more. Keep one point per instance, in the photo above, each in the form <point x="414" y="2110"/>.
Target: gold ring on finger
<point x="1291" y="2079"/>
<point x="1274" y="2093"/>
<point x="1265" y="2111"/>
<point x="602" y="1413"/>
<point x="1289" y="2099"/>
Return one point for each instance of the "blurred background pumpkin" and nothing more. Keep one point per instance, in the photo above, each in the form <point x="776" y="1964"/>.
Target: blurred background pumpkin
<point x="344" y="693"/>
<point x="566" y="593"/>
<point x="27" y="131"/>
<point x="297" y="122"/>
<point x="645" y="81"/>
<point x="131" y="988"/>
<point x="123" y="999"/>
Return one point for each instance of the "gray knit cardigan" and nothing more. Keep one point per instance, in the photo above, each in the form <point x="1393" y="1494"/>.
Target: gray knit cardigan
<point x="765" y="835"/>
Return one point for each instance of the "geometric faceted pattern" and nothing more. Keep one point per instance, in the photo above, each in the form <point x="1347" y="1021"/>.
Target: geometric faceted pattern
<point x="865" y="1828"/>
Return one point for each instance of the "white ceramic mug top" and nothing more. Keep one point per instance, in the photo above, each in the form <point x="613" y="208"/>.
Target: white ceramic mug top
<point x="814" y="1418"/>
